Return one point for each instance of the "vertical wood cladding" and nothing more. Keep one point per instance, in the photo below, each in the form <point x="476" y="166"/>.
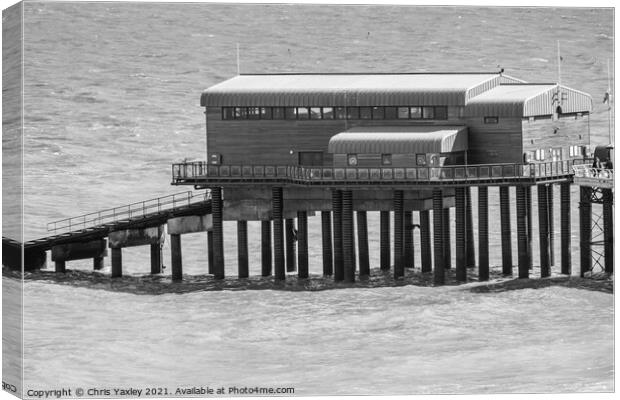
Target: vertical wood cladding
<point x="563" y="132"/>
<point x="494" y="143"/>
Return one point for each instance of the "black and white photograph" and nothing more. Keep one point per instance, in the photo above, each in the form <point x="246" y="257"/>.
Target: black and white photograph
<point x="224" y="199"/>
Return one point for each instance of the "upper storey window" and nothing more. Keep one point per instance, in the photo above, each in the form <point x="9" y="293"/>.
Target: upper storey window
<point x="350" y="113"/>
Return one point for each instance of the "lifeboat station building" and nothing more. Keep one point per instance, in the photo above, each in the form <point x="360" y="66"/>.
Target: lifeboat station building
<point x="282" y="147"/>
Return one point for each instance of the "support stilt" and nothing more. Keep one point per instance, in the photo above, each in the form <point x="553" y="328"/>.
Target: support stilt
<point x="585" y="229"/>
<point x="337" y="222"/>
<point x="347" y="236"/>
<point x="98" y="263"/>
<point x="447" y="241"/>
<point x="470" y="249"/>
<point x="565" y="228"/>
<point x="218" y="232"/>
<point x="608" y="230"/>
<point x="483" y="233"/>
<point x="362" y="243"/>
<point x="326" y="224"/>
<point x="116" y="261"/>
<point x="425" y="241"/>
<point x="523" y="263"/>
<point x="385" y="239"/>
<point x="528" y="210"/>
<point x="156" y="259"/>
<point x="504" y="205"/>
<point x="543" y="230"/>
<point x="242" y="249"/>
<point x="266" y="259"/>
<point x="460" y="234"/>
<point x="291" y="259"/>
<point x="302" y="244"/>
<point x="210" y="251"/>
<point x="550" y="224"/>
<point x="278" y="233"/>
<point x="61" y="266"/>
<point x="439" y="273"/>
<point x="176" y="257"/>
<point x="399" y="269"/>
<point x="408" y="257"/>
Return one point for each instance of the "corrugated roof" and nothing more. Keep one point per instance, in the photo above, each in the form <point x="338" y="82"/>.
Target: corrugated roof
<point x="349" y="89"/>
<point x="399" y="140"/>
<point x="526" y="100"/>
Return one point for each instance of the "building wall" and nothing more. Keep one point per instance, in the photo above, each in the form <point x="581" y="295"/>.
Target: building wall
<point x="494" y="143"/>
<point x="568" y="130"/>
<point x="271" y="141"/>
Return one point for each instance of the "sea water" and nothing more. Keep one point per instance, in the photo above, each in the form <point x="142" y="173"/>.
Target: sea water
<point x="111" y="99"/>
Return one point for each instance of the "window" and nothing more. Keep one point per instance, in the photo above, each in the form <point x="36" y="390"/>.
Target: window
<point x="403" y="112"/>
<point x="277" y="112"/>
<point x="378" y="113"/>
<point x="341" y="113"/>
<point x="352" y="160"/>
<point x="240" y="113"/>
<point x="428" y="112"/>
<point x="420" y="159"/>
<point x="328" y="113"/>
<point x="391" y="112"/>
<point x="315" y="113"/>
<point x="291" y="113"/>
<point x="228" y="113"/>
<point x="365" y="113"/>
<point x="416" y="112"/>
<point x="253" y="112"/>
<point x="303" y="113"/>
<point x="386" y="159"/>
<point x="441" y="112"/>
<point x="491" y="120"/>
<point x="353" y="113"/>
<point x="265" y="113"/>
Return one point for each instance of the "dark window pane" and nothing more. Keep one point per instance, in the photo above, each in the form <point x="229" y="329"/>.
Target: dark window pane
<point x="291" y="113"/>
<point x="228" y="113"/>
<point x="403" y="112"/>
<point x="353" y="113"/>
<point x="265" y="113"/>
<point x="365" y="112"/>
<point x="386" y="159"/>
<point x="428" y="112"/>
<point x="253" y="112"/>
<point x="441" y="112"/>
<point x="391" y="112"/>
<point x="416" y="112"/>
<point x="241" y="113"/>
<point x="315" y="113"/>
<point x="302" y="113"/>
<point x="378" y="113"/>
<point x="491" y="120"/>
<point x="278" y="112"/>
<point x="328" y="113"/>
<point x="341" y="113"/>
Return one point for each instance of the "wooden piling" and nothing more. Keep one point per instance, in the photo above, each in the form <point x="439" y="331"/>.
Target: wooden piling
<point x="550" y="224"/>
<point x="347" y="236"/>
<point x="425" y="241"/>
<point x="384" y="239"/>
<point x="565" y="233"/>
<point x="522" y="233"/>
<point x="266" y="259"/>
<point x="337" y="223"/>
<point x="278" y="233"/>
<point x="60" y="266"/>
<point x="483" y="233"/>
<point x="176" y="258"/>
<point x="302" y="244"/>
<point x="470" y="249"/>
<point x="326" y="225"/>
<point x="98" y="263"/>
<point x="218" y="232"/>
<point x="116" y="260"/>
<point x="543" y="230"/>
<point x="156" y="259"/>
<point x="504" y="208"/>
<point x="210" y="251"/>
<point x="409" y="252"/>
<point x="608" y="230"/>
<point x="447" y="241"/>
<point x="291" y="259"/>
<point x="528" y="210"/>
<point x="585" y="229"/>
<point x="399" y="218"/>
<point x="362" y="243"/>
<point x="460" y="234"/>
<point x="242" y="249"/>
<point x="439" y="273"/>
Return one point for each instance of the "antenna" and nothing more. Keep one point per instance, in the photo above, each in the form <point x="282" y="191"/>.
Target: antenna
<point x="608" y="100"/>
<point x="238" y="63"/>
<point x="559" y="65"/>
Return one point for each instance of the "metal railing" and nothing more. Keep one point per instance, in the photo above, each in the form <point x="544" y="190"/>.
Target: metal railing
<point x="594" y="176"/>
<point x="202" y="171"/>
<point x="141" y="209"/>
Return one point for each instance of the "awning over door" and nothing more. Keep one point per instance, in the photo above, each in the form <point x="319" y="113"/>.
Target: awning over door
<point x="399" y="140"/>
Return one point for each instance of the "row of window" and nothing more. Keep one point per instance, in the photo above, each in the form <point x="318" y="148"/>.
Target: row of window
<point x="316" y="113"/>
<point x="422" y="159"/>
<point x="554" y="153"/>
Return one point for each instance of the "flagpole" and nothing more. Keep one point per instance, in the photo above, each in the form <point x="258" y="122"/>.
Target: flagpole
<point x="238" y="66"/>
<point x="559" y="65"/>
<point x="609" y="100"/>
